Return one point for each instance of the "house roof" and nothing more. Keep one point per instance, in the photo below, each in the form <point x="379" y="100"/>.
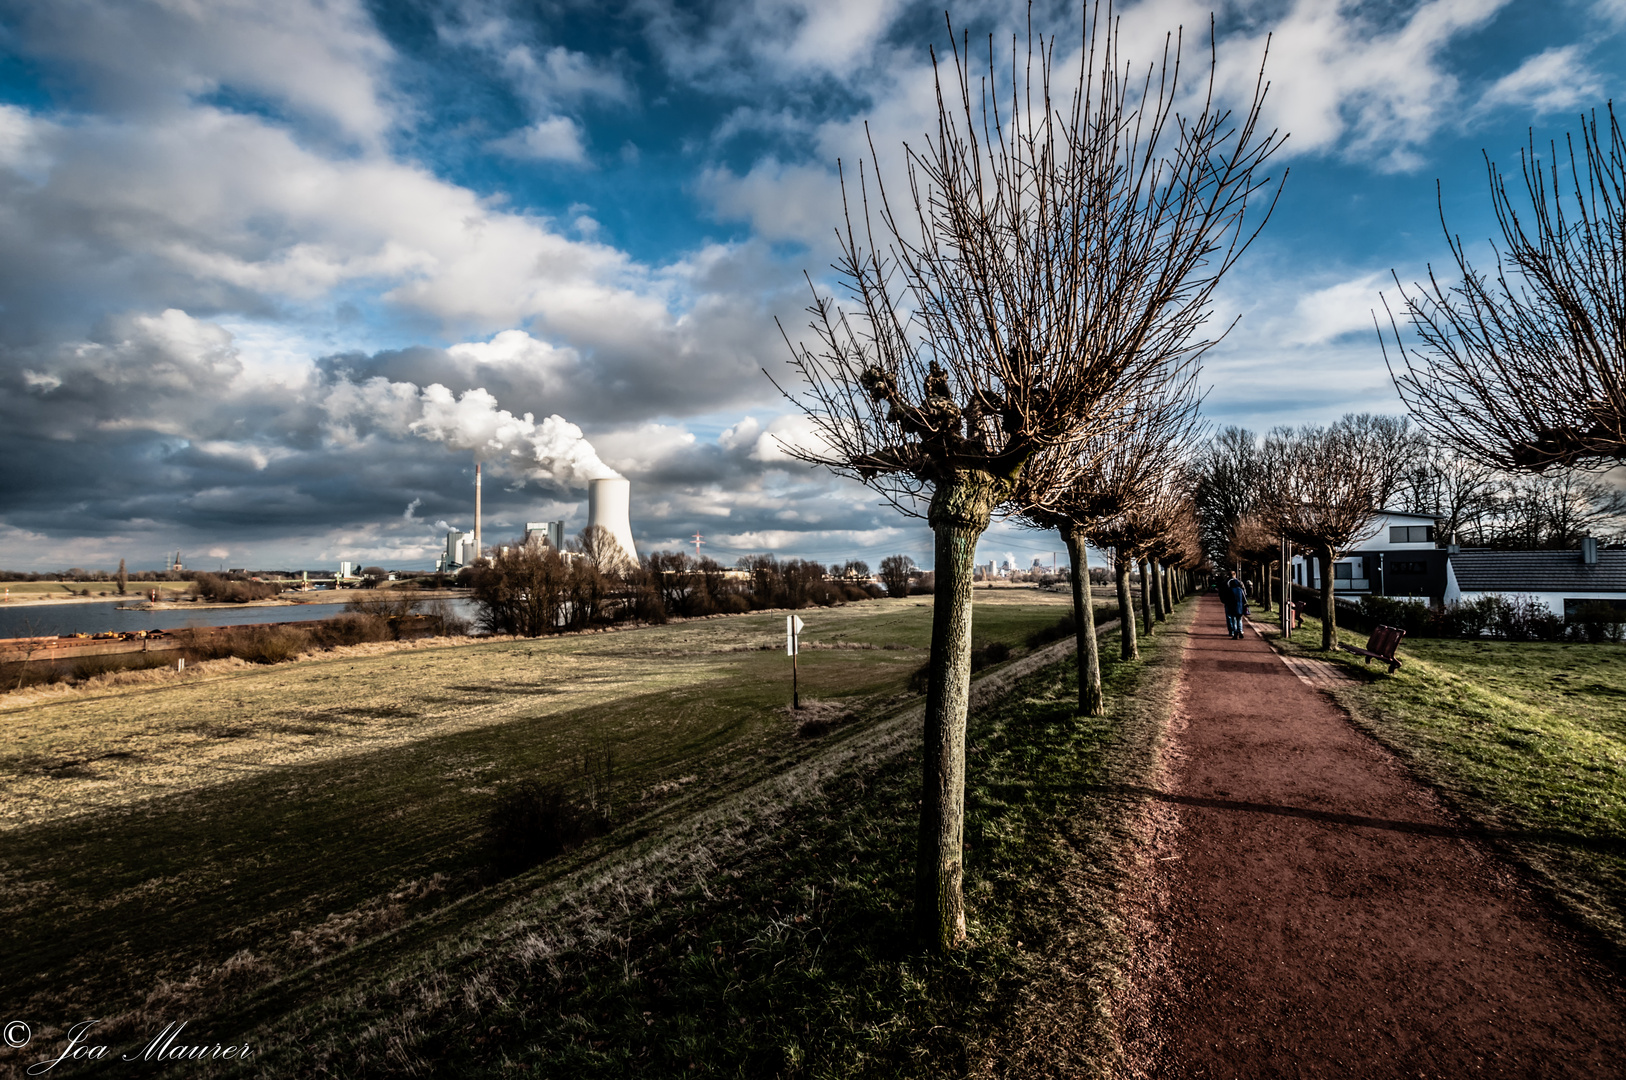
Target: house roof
<point x="1490" y="570"/>
<point x="1408" y="514"/>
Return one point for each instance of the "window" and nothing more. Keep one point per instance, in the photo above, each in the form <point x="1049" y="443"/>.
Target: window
<point x="1410" y="534"/>
<point x="1574" y="609"/>
<point x="1342" y="571"/>
<point x="1404" y="566"/>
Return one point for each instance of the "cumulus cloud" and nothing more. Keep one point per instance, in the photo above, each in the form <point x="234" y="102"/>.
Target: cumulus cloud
<point x="553" y="138"/>
<point x="323" y="60"/>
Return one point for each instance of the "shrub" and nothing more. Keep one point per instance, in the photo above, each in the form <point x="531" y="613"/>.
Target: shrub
<point x="531" y="822"/>
<point x="1597" y="622"/>
<point x="351" y="628"/>
<point x="220" y="590"/>
<point x="270" y="644"/>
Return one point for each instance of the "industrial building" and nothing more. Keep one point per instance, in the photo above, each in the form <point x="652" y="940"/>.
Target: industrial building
<point x="608" y="507"/>
<point x="551" y="533"/>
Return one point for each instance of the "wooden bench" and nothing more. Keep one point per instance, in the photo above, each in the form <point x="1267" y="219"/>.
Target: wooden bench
<point x="1380" y="646"/>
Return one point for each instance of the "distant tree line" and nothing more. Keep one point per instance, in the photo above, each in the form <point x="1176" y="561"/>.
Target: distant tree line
<point x="530" y="589"/>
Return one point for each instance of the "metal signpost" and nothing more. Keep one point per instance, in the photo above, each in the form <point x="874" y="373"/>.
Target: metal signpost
<point x="1287" y="593"/>
<point x="793" y="628"/>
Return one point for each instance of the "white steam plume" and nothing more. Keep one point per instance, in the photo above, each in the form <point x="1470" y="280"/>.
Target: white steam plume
<point x="554" y="449"/>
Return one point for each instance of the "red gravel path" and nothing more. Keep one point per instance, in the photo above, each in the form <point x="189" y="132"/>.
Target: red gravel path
<point x="1316" y="914"/>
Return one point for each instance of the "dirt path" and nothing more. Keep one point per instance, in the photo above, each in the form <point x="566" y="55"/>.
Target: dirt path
<point x="1315" y="912"/>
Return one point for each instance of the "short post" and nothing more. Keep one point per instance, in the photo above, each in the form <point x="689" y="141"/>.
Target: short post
<point x="793" y="630"/>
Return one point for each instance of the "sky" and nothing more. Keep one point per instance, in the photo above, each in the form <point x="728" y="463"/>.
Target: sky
<point x="275" y="274"/>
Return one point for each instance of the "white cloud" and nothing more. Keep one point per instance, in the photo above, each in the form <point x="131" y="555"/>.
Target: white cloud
<point x="324" y="60"/>
<point x="782" y="202"/>
<point x="1321" y="315"/>
<point x="1551" y="81"/>
<point x="1343" y="80"/>
<point x="554" y="138"/>
<point x="562" y="75"/>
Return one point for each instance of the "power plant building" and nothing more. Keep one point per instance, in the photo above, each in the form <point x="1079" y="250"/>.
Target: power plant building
<point x="608" y="504"/>
<point x="459" y="552"/>
<point x="551" y="533"/>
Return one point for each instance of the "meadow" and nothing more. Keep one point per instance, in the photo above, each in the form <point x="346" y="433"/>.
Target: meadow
<point x="1526" y="739"/>
<point x="178" y="846"/>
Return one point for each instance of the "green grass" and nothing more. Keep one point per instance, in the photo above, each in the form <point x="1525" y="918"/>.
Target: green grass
<point x="1526" y="738"/>
<point x="775" y="940"/>
<point x="168" y="846"/>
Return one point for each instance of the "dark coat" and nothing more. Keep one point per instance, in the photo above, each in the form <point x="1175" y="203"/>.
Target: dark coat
<point x="1235" y="595"/>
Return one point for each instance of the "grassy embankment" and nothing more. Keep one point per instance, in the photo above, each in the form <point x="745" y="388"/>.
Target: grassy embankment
<point x="771" y="938"/>
<point x="1527" y="739"/>
<point x="168" y="846"/>
<point x="67" y="590"/>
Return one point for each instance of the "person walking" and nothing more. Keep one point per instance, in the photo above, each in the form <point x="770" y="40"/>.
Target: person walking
<point x="1235" y="596"/>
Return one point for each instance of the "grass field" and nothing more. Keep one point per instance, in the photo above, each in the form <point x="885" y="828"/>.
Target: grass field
<point x="770" y="938"/>
<point x="1526" y="738"/>
<point x="169" y="846"/>
<point x="62" y="590"/>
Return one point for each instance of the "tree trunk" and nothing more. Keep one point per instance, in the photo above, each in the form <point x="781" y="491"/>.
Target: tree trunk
<point x="1329" y="608"/>
<point x="1090" y="700"/>
<point x="960" y="511"/>
<point x="1145" y="598"/>
<point x="1155" y="583"/>
<point x="1128" y="647"/>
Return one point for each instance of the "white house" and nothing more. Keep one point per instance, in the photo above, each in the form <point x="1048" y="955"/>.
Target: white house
<point x="1398" y="556"/>
<point x="1563" y="580"/>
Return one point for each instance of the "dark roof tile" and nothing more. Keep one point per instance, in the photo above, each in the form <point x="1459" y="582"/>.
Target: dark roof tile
<point x="1490" y="570"/>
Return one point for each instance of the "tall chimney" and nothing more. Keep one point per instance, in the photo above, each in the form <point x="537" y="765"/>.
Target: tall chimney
<point x="607" y="507"/>
<point x="476" y="513"/>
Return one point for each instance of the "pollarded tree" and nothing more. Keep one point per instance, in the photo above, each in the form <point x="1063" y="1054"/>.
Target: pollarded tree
<point x="1077" y="487"/>
<point x="1326" y="487"/>
<point x="1051" y="257"/>
<point x="1526" y="369"/>
<point x="1133" y="534"/>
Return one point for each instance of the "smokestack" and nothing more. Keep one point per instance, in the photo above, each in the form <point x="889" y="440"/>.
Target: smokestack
<point x="607" y="503"/>
<point x="476" y="513"/>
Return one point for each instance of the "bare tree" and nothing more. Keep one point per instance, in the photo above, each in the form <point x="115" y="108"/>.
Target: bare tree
<point x="1325" y="492"/>
<point x="1458" y="491"/>
<point x="600" y="545"/>
<point x="123" y="578"/>
<point x="1091" y="482"/>
<point x="895" y="574"/>
<point x="1230" y="482"/>
<point x="1526" y="369"/>
<point x="1051" y="257"/>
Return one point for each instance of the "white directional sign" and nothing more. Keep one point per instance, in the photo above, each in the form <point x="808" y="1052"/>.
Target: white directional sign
<point x="793" y="627"/>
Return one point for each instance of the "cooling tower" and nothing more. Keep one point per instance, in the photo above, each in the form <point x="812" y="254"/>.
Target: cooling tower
<point x="607" y="502"/>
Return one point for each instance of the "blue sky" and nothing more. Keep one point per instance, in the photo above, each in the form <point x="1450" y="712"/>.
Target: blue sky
<point x="244" y="241"/>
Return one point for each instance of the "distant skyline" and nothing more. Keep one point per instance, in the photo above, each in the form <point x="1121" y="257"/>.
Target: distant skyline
<point x="242" y="240"/>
